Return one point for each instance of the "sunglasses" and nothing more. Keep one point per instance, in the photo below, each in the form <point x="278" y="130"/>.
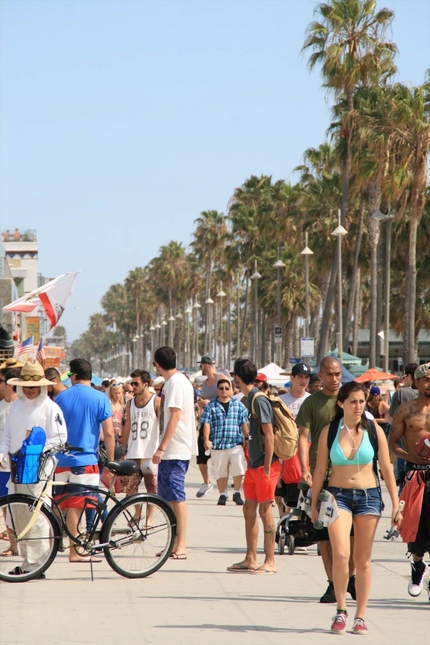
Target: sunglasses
<point x="136" y="383"/>
<point x="2" y="381"/>
<point x="116" y="385"/>
<point x="69" y="374"/>
<point x="223" y="388"/>
<point x="32" y="377"/>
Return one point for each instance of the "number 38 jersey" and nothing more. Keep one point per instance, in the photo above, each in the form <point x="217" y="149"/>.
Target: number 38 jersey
<point x="144" y="431"/>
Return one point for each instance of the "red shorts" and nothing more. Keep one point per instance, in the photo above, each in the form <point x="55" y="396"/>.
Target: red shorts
<point x="257" y="486"/>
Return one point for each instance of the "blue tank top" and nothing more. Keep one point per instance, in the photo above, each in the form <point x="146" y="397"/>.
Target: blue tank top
<point x="363" y="456"/>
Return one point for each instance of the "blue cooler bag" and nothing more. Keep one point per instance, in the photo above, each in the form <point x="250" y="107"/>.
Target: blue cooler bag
<point x="25" y="462"/>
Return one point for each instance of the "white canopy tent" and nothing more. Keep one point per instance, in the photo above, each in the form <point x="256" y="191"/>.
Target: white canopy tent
<point x="275" y="375"/>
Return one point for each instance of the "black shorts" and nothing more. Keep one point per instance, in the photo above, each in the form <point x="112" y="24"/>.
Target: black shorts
<point x="422" y="540"/>
<point x="201" y="457"/>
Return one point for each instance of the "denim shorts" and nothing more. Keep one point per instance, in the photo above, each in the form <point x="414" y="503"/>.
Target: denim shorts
<point x="358" y="501"/>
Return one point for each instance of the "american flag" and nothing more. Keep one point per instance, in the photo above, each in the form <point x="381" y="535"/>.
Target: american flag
<point x="40" y="354"/>
<point x="25" y="347"/>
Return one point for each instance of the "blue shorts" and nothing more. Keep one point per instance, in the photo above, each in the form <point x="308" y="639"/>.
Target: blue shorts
<point x="171" y="479"/>
<point x="358" y="501"/>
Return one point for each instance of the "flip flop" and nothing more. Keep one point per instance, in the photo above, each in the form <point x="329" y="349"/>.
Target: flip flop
<point x="240" y="568"/>
<point x="8" y="553"/>
<point x="262" y="571"/>
<point x="178" y="556"/>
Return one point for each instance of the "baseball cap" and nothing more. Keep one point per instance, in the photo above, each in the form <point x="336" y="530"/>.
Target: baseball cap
<point x="261" y="377"/>
<point x="374" y="390"/>
<point x="301" y="369"/>
<point x="206" y="360"/>
<point x="421" y="371"/>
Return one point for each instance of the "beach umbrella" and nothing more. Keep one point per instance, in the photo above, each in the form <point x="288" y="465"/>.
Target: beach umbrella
<point x="373" y="374"/>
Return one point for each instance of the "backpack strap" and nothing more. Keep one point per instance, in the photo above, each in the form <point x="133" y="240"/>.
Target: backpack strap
<point x="331" y="436"/>
<point x="260" y="443"/>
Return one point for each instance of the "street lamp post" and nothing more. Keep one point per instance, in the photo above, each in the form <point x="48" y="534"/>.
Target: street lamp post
<point x="306" y="252"/>
<point x="163" y="332"/>
<point x="339" y="232"/>
<point x="179" y="341"/>
<point x="256" y="276"/>
<point x="220" y="295"/>
<point x="209" y="302"/>
<point x="171" y="320"/>
<point x="196" y="308"/>
<point x="238" y="343"/>
<point x="188" y="312"/>
<point x="278" y="265"/>
<point x="152" y="330"/>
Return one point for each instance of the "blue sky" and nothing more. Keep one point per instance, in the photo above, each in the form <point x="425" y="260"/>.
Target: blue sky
<point x="120" y="121"/>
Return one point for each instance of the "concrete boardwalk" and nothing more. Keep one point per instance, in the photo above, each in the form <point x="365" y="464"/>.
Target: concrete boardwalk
<point x="197" y="602"/>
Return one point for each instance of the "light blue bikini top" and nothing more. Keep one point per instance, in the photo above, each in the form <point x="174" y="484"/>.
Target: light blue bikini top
<point x="363" y="456"/>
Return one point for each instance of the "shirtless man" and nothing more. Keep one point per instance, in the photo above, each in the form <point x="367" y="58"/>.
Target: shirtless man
<point x="412" y="422"/>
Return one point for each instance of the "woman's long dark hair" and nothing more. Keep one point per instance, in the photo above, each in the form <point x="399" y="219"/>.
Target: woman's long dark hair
<point x="345" y="391"/>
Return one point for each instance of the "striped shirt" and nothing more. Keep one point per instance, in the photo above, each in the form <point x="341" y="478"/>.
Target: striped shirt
<point x="225" y="429"/>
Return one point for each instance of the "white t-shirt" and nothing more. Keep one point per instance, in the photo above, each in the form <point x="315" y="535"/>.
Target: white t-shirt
<point x="4" y="411"/>
<point x="144" y="431"/>
<point x="178" y="393"/>
<point x="294" y="403"/>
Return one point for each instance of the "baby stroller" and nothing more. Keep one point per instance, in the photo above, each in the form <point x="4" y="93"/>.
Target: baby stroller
<point x="295" y="529"/>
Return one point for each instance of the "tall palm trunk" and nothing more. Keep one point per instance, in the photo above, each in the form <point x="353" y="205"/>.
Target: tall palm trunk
<point x="373" y="204"/>
<point x="346" y="173"/>
<point x="357" y="312"/>
<point x="353" y="281"/>
<point x="410" y="299"/>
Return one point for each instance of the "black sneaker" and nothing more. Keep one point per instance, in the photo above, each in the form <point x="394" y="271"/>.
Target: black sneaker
<point x="351" y="588"/>
<point x="237" y="498"/>
<point x="328" y="596"/>
<point x="222" y="501"/>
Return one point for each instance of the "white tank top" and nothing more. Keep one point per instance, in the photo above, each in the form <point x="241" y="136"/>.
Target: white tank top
<point x="144" y="431"/>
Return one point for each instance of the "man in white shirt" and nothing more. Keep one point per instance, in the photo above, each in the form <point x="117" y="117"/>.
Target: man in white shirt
<point x="177" y="442"/>
<point x="300" y="375"/>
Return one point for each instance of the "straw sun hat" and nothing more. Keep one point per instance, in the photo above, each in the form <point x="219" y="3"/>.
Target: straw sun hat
<point x="10" y="362"/>
<point x="32" y="375"/>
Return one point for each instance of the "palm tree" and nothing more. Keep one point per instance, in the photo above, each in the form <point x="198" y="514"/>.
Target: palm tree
<point x="209" y="241"/>
<point x="350" y="45"/>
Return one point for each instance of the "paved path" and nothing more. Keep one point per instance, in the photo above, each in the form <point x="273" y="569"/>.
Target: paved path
<point x="196" y="602"/>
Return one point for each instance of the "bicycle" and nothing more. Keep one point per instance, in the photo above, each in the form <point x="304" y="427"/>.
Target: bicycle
<point x="136" y="536"/>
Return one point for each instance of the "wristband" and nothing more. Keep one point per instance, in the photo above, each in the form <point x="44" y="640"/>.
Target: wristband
<point x="162" y="449"/>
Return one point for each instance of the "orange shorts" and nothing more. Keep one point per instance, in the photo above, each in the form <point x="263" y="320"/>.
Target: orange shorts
<point x="257" y="486"/>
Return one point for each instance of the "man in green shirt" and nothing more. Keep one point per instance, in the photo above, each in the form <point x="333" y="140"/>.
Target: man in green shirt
<point x="315" y="413"/>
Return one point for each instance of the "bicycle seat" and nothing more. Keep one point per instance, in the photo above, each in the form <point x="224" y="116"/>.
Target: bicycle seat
<point x="126" y="467"/>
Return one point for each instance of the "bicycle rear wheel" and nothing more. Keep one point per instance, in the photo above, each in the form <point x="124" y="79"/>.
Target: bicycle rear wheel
<point x="30" y="552"/>
<point x="140" y="535"/>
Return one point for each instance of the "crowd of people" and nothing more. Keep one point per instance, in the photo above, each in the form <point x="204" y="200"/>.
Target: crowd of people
<point x="348" y="436"/>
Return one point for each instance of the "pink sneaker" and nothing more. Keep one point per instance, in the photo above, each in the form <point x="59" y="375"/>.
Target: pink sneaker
<point x="359" y="626"/>
<point x="339" y="622"/>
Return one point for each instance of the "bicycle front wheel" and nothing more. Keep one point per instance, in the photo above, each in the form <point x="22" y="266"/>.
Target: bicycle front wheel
<point x="33" y="540"/>
<point x="140" y="535"/>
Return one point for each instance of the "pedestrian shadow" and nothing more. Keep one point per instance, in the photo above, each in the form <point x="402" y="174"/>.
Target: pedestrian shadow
<point x="244" y="629"/>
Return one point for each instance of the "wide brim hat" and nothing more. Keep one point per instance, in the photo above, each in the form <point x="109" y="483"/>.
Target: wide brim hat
<point x="30" y="370"/>
<point x="11" y="362"/>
